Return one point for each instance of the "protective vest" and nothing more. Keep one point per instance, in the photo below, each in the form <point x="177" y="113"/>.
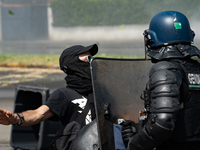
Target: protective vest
<point x="187" y="125"/>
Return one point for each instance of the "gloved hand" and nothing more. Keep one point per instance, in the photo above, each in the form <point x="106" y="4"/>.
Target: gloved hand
<point x="128" y="130"/>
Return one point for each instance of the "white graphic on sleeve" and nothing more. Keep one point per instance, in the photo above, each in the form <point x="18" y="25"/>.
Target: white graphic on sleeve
<point x="82" y="102"/>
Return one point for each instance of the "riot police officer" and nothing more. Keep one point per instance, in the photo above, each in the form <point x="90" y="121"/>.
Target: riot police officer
<point x="173" y="92"/>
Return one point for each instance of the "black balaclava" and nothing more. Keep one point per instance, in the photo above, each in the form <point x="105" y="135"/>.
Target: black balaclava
<point x="72" y="65"/>
<point x="79" y="68"/>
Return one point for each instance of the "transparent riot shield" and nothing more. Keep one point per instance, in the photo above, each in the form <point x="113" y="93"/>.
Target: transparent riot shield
<point x="118" y="85"/>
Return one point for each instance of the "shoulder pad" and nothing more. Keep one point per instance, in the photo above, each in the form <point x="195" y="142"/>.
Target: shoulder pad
<point x="166" y="65"/>
<point x="164" y="72"/>
<point x="163" y="77"/>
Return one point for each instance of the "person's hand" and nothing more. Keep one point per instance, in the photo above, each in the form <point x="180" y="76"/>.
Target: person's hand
<point x="128" y="130"/>
<point x="7" y="117"/>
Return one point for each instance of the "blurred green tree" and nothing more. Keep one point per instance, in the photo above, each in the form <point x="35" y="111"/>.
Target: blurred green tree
<point x="115" y="12"/>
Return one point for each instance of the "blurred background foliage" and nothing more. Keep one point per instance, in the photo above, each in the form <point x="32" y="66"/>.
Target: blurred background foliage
<point x="68" y="13"/>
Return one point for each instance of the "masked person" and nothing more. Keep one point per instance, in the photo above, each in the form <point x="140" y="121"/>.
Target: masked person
<point x="172" y="94"/>
<point x="64" y="106"/>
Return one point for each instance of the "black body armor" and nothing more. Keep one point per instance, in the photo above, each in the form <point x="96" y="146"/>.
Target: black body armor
<point x="174" y="105"/>
<point x="188" y="121"/>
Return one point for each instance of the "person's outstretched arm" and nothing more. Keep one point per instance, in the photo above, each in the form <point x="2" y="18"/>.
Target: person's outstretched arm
<point x="31" y="117"/>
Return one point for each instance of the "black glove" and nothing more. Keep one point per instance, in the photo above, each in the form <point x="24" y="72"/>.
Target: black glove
<point x="128" y="130"/>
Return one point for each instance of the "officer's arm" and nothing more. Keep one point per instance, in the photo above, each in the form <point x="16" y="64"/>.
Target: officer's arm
<point x="31" y="117"/>
<point x="164" y="84"/>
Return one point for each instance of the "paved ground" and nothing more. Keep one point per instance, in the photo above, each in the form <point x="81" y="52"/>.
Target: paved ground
<point x="10" y="78"/>
<point x="56" y="47"/>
